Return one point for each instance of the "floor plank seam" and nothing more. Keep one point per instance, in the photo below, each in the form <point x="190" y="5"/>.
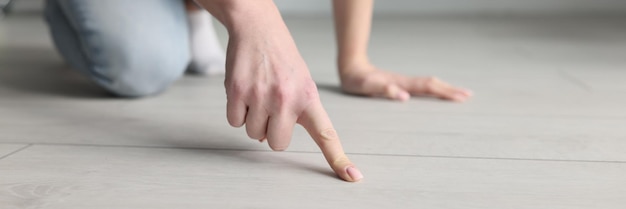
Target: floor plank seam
<point x="497" y="158"/>
<point x="16" y="151"/>
<point x="575" y="81"/>
<point x="531" y="116"/>
<point x="13" y="143"/>
<point x="348" y="153"/>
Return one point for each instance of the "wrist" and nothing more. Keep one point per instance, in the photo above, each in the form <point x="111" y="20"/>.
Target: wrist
<point x="353" y="65"/>
<point x="241" y="17"/>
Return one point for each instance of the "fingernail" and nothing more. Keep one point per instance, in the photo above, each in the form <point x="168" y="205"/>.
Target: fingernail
<point x="403" y="96"/>
<point x="354" y="173"/>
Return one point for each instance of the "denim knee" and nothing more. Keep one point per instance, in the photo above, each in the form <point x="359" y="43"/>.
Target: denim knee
<point x="146" y="72"/>
<point x="132" y="49"/>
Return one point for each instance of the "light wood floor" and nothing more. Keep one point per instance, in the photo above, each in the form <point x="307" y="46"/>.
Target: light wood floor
<point x="546" y="129"/>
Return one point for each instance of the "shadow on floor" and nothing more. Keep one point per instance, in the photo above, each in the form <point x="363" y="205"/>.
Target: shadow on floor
<point x="41" y="71"/>
<point x="336" y="89"/>
<point x="257" y="156"/>
<point x="332" y="88"/>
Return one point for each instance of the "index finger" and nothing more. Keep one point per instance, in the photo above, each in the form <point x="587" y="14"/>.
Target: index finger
<point x="316" y="121"/>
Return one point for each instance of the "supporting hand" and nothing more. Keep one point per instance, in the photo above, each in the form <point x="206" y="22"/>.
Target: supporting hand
<point x="369" y="81"/>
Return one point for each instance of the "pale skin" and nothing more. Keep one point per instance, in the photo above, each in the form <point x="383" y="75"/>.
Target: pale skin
<point x="269" y="88"/>
<point x="353" y="20"/>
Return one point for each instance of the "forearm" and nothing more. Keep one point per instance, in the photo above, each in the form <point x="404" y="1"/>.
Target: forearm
<point x="245" y="16"/>
<point x="353" y="20"/>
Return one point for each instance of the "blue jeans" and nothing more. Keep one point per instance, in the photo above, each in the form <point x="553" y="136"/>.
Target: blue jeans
<point x="132" y="48"/>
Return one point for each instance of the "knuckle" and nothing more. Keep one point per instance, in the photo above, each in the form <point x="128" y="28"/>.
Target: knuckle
<point x="257" y="90"/>
<point x="390" y="89"/>
<point x="428" y="84"/>
<point x="257" y="93"/>
<point x="234" y="89"/>
<point x="431" y="80"/>
<point x="329" y="135"/>
<point x="253" y="135"/>
<point x="282" y="94"/>
<point x="234" y="123"/>
<point x="340" y="160"/>
<point x="310" y="91"/>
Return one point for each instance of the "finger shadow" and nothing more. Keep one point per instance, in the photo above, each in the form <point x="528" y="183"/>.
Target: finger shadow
<point x="333" y="88"/>
<point x="252" y="155"/>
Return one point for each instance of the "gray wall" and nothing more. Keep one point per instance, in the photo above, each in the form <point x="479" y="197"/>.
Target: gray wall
<point x="427" y="7"/>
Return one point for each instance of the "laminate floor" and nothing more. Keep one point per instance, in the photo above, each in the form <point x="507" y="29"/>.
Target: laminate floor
<point x="546" y="128"/>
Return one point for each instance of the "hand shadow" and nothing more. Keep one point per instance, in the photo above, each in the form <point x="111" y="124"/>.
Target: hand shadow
<point x="41" y="72"/>
<point x="336" y="89"/>
<point x="253" y="156"/>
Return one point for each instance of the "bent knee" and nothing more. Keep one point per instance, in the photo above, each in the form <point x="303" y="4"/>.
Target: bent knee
<point x="144" y="75"/>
